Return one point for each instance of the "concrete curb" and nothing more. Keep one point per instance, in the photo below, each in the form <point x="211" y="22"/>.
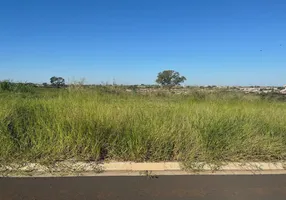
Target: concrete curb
<point x="175" y="166"/>
<point x="134" y="169"/>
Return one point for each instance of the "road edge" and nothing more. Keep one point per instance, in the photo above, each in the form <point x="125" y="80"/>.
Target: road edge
<point x="69" y="168"/>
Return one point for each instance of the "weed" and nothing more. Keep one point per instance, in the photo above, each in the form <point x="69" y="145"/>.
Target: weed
<point x="107" y="123"/>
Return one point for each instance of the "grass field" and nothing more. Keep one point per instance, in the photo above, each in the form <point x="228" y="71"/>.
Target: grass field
<point x="53" y="124"/>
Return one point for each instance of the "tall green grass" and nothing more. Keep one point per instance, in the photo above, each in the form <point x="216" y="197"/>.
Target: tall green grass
<point x="97" y="124"/>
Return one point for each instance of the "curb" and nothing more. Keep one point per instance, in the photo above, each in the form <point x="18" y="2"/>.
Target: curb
<point x="68" y="168"/>
<point x="176" y="166"/>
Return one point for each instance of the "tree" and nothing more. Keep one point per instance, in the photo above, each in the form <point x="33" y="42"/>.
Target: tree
<point x="170" y="78"/>
<point x="57" y="81"/>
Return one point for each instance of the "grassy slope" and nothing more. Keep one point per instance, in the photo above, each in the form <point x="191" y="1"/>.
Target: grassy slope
<point x="92" y="125"/>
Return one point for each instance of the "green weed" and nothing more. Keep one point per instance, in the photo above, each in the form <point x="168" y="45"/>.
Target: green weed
<point x="106" y="123"/>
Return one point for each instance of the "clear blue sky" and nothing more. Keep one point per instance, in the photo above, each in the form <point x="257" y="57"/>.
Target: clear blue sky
<point x="216" y="42"/>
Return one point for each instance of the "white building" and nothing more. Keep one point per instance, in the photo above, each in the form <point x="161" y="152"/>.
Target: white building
<point x="283" y="91"/>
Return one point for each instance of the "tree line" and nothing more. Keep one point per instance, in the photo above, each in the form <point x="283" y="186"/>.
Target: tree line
<point x="166" y="78"/>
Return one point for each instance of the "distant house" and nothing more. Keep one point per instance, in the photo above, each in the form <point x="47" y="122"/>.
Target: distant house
<point x="283" y="91"/>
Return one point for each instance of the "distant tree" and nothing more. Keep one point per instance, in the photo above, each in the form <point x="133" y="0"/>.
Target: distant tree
<point x="57" y="81"/>
<point x="31" y="84"/>
<point x="170" y="78"/>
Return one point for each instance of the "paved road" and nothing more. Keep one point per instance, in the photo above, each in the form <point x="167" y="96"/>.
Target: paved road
<point x="251" y="187"/>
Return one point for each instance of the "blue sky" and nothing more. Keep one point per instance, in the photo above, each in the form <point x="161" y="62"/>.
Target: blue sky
<point x="210" y="42"/>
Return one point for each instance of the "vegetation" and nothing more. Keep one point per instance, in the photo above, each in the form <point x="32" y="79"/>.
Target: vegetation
<point x="9" y="86"/>
<point x="170" y="78"/>
<point x="57" y="81"/>
<point x="108" y="123"/>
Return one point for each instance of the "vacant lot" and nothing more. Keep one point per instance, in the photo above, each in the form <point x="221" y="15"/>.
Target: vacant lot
<point x="107" y="123"/>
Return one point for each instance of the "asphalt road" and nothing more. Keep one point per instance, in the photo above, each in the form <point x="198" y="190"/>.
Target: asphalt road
<point x="244" y="187"/>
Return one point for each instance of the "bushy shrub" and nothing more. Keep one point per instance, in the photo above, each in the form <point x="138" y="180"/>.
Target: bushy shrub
<point x="10" y="86"/>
